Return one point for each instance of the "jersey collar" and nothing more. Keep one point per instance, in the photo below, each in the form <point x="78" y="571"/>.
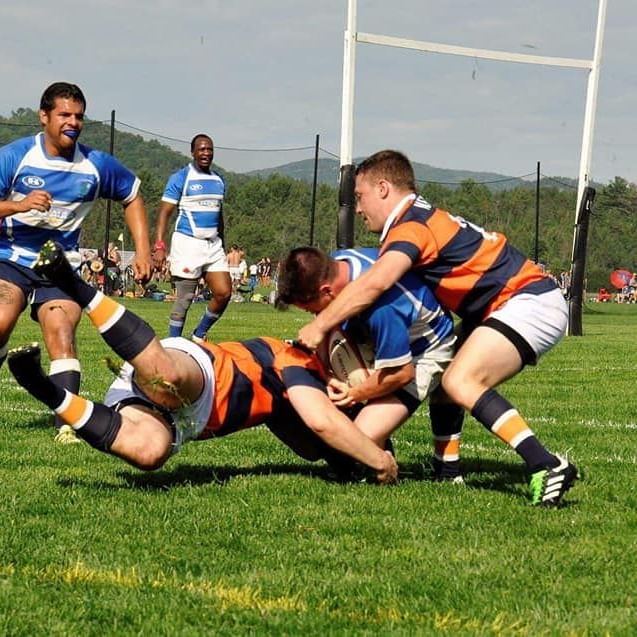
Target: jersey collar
<point x="403" y="204"/>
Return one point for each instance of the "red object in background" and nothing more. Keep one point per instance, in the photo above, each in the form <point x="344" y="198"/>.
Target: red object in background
<point x="620" y="278"/>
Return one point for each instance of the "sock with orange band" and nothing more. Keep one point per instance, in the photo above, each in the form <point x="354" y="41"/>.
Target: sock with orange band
<point x="93" y="422"/>
<point x="446" y="426"/>
<point x="124" y="332"/>
<point x="502" y="419"/>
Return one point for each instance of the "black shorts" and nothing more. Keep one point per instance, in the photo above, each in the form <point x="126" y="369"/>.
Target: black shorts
<point x="35" y="289"/>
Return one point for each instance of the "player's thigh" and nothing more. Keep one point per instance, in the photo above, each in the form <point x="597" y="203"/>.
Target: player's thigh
<point x="144" y="439"/>
<point x="12" y="302"/>
<point x="485" y="359"/>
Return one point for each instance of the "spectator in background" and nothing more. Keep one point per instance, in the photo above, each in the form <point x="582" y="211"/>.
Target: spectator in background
<point x="196" y="247"/>
<point x="565" y="282"/>
<point x="243" y="266"/>
<point x="253" y="270"/>
<point x="48" y="185"/>
<point x="112" y="276"/>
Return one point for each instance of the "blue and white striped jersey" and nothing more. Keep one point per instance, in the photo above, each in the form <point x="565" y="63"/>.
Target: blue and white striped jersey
<point x="199" y="197"/>
<point x="73" y="185"/>
<point x="404" y="321"/>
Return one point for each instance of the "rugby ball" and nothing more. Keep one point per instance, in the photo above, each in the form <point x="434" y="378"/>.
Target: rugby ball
<point x="349" y="361"/>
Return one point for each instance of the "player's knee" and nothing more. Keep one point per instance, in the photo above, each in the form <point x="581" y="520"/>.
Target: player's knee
<point x="150" y="453"/>
<point x="458" y="387"/>
<point x="221" y="298"/>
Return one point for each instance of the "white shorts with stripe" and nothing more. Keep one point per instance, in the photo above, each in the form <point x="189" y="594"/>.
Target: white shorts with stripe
<point x="190" y="258"/>
<point x="540" y="319"/>
<point x="188" y="421"/>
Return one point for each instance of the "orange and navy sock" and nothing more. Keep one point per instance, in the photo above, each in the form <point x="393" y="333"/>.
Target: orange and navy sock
<point x="94" y="422"/>
<point x="502" y="419"/>
<point x="65" y="373"/>
<point x="446" y="426"/>
<point x="124" y="332"/>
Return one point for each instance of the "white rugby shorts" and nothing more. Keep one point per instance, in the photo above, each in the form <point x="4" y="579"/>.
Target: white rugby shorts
<point x="190" y="257"/>
<point x="540" y="319"/>
<point x="188" y="421"/>
<point x="429" y="367"/>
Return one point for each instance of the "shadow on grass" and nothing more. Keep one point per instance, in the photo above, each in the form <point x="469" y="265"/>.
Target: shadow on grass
<point x="504" y="477"/>
<point x="189" y="475"/>
<point x="478" y="473"/>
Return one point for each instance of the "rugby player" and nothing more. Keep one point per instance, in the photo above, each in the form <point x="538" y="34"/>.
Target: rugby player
<point x="511" y="311"/>
<point x="174" y="390"/>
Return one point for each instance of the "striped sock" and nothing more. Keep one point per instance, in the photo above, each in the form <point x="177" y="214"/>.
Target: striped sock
<point x="504" y="421"/>
<point x="65" y="373"/>
<point x="446" y="426"/>
<point x="175" y="327"/>
<point x="93" y="422"/>
<point x="3" y="352"/>
<point x="124" y="332"/>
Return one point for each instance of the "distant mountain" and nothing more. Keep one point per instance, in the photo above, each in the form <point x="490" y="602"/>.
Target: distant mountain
<point x="328" y="170"/>
<point x="151" y="156"/>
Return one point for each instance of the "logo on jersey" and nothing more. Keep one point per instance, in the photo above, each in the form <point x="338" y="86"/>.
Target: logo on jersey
<point x="55" y="217"/>
<point x="85" y="187"/>
<point x="32" y="181"/>
<point x="196" y="187"/>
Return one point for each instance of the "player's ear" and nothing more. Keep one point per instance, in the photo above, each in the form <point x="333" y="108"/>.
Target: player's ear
<point x="325" y="290"/>
<point x="383" y="188"/>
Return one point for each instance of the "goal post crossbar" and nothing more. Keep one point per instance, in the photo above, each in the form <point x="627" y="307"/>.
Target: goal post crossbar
<point x="485" y="54"/>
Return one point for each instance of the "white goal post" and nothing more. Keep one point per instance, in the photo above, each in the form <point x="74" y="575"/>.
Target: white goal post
<point x="352" y="36"/>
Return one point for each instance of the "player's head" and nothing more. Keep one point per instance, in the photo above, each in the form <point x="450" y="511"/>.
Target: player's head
<point x="382" y="180"/>
<point x="203" y="150"/>
<point x="302" y="274"/>
<point x="390" y="165"/>
<point x="62" y="107"/>
<point x="62" y="90"/>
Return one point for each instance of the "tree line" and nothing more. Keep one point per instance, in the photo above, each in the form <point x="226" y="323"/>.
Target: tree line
<point x="269" y="215"/>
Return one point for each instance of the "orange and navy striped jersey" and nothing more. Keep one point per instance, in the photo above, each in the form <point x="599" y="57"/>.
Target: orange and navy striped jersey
<point x="251" y="381"/>
<point x="471" y="271"/>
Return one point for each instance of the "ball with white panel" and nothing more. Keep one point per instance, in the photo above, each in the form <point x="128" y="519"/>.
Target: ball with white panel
<point x="350" y="362"/>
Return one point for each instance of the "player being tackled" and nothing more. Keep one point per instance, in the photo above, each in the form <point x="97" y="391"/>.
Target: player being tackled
<point x="172" y="391"/>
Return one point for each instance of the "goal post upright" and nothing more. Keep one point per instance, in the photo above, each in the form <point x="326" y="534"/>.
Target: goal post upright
<point x="347" y="125"/>
<point x="345" y="233"/>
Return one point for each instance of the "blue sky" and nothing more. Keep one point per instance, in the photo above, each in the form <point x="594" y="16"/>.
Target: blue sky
<point x="268" y="74"/>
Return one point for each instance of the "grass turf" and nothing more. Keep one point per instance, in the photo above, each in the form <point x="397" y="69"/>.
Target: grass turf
<point x="238" y="536"/>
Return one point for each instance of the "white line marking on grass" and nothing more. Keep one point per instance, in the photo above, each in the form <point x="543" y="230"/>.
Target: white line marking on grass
<point x="608" y="424"/>
<point x="26" y="410"/>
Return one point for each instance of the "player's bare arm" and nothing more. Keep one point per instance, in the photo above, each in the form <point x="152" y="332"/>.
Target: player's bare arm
<point x="340" y="433"/>
<point x="356" y="297"/>
<point x="159" y="248"/>
<point x="137" y="222"/>
<point x="35" y="200"/>
<point x="382" y="382"/>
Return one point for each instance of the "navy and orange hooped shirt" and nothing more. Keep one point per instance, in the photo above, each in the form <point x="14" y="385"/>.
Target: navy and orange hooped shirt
<point x="251" y="381"/>
<point x="471" y="271"/>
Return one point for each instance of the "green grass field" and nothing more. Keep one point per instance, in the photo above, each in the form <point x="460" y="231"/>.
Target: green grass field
<point x="238" y="536"/>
